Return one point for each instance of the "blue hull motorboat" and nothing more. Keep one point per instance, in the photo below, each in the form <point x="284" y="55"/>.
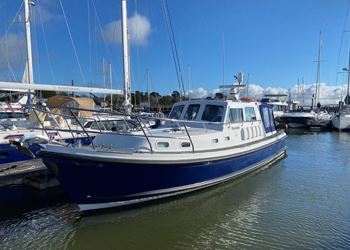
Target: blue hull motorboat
<point x="181" y="156"/>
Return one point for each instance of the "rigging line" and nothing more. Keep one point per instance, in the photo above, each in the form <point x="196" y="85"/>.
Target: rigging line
<point x="89" y="32"/>
<point x="45" y="42"/>
<point x="13" y="21"/>
<point x="137" y="73"/>
<point x="35" y="48"/>
<point x="341" y="40"/>
<point x="71" y="39"/>
<point x="11" y="71"/>
<point x="173" y="46"/>
<point x="100" y="27"/>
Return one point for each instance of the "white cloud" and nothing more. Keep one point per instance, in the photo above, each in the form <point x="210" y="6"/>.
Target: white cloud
<point x="139" y="30"/>
<point x="197" y="93"/>
<point x="12" y="54"/>
<point x="329" y="94"/>
<point x="42" y="12"/>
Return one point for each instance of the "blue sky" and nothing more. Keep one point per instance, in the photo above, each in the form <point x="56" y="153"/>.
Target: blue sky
<point x="275" y="41"/>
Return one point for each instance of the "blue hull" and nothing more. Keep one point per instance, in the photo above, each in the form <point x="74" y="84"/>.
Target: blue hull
<point x="117" y="184"/>
<point x="10" y="154"/>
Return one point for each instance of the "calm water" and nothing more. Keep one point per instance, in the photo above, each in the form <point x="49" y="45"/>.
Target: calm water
<point x="301" y="202"/>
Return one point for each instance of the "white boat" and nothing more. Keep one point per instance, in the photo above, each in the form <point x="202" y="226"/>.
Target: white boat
<point x="299" y="119"/>
<point x="280" y="106"/>
<point x="23" y="133"/>
<point x="341" y="120"/>
<point x="55" y="125"/>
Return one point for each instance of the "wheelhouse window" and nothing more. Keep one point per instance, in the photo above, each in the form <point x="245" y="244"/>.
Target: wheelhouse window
<point x="192" y="111"/>
<point x="236" y="115"/>
<point x="111" y="125"/>
<point x="276" y="108"/>
<point x="213" y="113"/>
<point x="176" y="112"/>
<point x="249" y="114"/>
<point x="266" y="117"/>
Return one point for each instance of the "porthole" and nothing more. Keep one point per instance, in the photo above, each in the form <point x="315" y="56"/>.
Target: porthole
<point x="185" y="144"/>
<point x="216" y="140"/>
<point x="162" y="144"/>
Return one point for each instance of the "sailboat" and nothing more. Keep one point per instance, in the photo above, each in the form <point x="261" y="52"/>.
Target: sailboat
<point x="23" y="133"/>
<point x="341" y="120"/>
<point x="202" y="143"/>
<point x="316" y="118"/>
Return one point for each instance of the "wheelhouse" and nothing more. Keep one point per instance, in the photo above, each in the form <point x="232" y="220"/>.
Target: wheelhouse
<point x="221" y="112"/>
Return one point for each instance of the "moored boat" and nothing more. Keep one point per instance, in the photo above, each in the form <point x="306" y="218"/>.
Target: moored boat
<point x="202" y="143"/>
<point x="205" y="143"/>
<point x="341" y="120"/>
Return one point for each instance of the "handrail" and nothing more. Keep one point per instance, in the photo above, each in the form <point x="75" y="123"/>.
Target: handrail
<point x="149" y="142"/>
<point x="204" y="123"/>
<point x="183" y="125"/>
<point x="189" y="137"/>
<point x="37" y="116"/>
<point x="76" y="118"/>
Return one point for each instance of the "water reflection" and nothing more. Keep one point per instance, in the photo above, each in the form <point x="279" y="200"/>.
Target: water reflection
<point x="300" y="202"/>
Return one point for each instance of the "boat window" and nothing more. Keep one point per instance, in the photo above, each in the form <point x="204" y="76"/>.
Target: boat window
<point x="185" y="144"/>
<point x="176" y="112"/>
<point x="112" y="125"/>
<point x="94" y="125"/>
<point x="192" y="112"/>
<point x="266" y="117"/>
<point x="249" y="114"/>
<point x="276" y="107"/>
<point x="236" y="115"/>
<point x="272" y="120"/>
<point x="162" y="144"/>
<point x="213" y="113"/>
<point x="88" y="124"/>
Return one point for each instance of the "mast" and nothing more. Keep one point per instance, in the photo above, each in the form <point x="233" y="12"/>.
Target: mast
<point x="104" y="77"/>
<point x="126" y="59"/>
<point x="189" y="80"/>
<point x="27" y="4"/>
<point x="347" y="98"/>
<point x="148" y="95"/>
<point x="317" y="92"/>
<point x="111" y="81"/>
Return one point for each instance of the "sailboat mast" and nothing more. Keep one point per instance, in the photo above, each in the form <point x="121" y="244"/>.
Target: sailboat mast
<point x="104" y="77"/>
<point x="27" y="17"/>
<point x="347" y="92"/>
<point x="317" y="94"/>
<point x="111" y="81"/>
<point x="148" y="94"/>
<point x="126" y="59"/>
